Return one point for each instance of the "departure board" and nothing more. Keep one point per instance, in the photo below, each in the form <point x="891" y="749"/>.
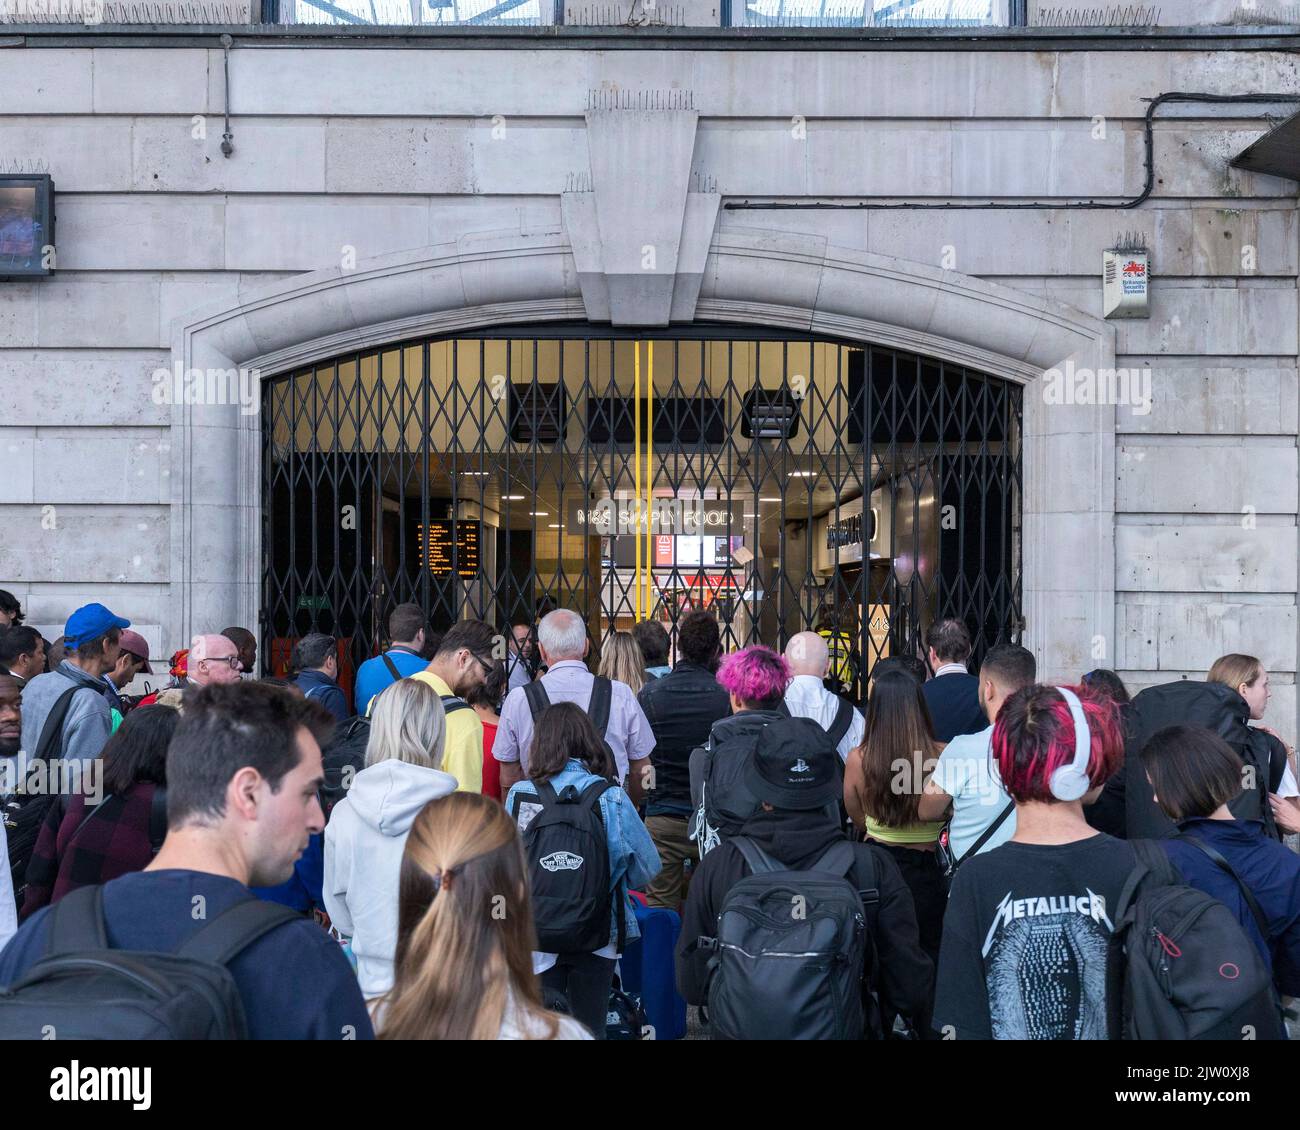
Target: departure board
<point x="439" y="539"/>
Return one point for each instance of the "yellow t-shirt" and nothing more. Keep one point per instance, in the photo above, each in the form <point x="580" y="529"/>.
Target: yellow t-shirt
<point x="462" y="753"/>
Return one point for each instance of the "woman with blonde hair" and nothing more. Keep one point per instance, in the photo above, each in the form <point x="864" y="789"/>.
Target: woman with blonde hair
<point x="465" y="935"/>
<point x="622" y="661"/>
<point x="1246" y="675"/>
<point x="367" y="829"/>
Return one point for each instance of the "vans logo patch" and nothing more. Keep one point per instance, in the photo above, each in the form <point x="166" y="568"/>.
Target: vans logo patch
<point x="561" y="861"/>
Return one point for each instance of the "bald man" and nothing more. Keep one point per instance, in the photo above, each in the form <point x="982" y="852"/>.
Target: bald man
<point x="213" y="661"/>
<point x="806" y="697"/>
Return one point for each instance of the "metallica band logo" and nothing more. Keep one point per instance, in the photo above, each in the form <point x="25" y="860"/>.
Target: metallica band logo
<point x="1090" y="905"/>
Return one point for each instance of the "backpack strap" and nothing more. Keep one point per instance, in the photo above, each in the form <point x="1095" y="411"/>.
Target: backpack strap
<point x="53" y="728"/>
<point x="538" y="699"/>
<point x="451" y="703"/>
<point x="88" y="817"/>
<point x="1260" y="919"/>
<point x="840" y="726"/>
<point x="77" y="922"/>
<point x="602" y="695"/>
<point x="1152" y="863"/>
<point x="759" y="861"/>
<point x="392" y="667"/>
<point x="235" y="929"/>
<point x="158" y="818"/>
<point x="986" y="835"/>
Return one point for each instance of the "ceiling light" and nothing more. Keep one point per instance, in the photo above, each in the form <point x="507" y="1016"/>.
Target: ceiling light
<point x="552" y="525"/>
<point x="769" y="500"/>
<point x="802" y="475"/>
<point x="539" y="513"/>
<point x="482" y="473"/>
<point x="512" y="498"/>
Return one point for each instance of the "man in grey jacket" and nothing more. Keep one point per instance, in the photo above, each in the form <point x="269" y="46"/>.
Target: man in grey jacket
<point x="93" y="634"/>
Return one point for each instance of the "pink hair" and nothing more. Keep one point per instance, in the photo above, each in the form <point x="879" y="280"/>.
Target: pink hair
<point x="754" y="674"/>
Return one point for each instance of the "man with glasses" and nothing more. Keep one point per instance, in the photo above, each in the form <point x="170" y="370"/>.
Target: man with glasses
<point x="316" y="659"/>
<point x="462" y="662"/>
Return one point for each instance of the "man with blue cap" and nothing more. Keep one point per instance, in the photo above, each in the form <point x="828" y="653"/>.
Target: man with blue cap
<point x="75" y="690"/>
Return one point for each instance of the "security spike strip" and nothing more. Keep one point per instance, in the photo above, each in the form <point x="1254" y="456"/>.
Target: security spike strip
<point x="1125" y="15"/>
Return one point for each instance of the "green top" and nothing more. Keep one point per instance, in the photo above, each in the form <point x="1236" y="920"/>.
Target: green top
<point x="924" y="832"/>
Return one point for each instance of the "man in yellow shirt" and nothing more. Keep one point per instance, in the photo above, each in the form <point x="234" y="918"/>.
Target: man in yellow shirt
<point x="461" y="663"/>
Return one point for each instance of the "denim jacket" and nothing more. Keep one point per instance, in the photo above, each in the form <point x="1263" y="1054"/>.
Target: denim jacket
<point x="633" y="860"/>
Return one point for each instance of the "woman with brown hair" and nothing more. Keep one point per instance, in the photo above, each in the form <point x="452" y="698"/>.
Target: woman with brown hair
<point x="1246" y="675"/>
<point x="463" y="965"/>
<point x="883" y="781"/>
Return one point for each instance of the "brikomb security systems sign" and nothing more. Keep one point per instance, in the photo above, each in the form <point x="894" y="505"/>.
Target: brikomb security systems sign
<point x="676" y="517"/>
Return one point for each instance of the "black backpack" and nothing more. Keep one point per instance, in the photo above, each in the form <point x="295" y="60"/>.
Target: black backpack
<point x="568" y="867"/>
<point x="602" y="698"/>
<point x="345" y="756"/>
<point x="24" y="813"/>
<point x="721" y="800"/>
<point x="791" y="950"/>
<point x="1181" y="967"/>
<point x="1219" y="709"/>
<point x="84" y="990"/>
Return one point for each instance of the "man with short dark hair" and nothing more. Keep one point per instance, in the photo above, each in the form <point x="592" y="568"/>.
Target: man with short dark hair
<point x="11" y="736"/>
<point x="407" y="627"/>
<point x="681" y="708"/>
<point x="92" y="636"/>
<point x="463" y="661"/>
<point x="966" y="777"/>
<point x="953" y="694"/>
<point x="519" y="666"/>
<point x="22" y="653"/>
<point x="318" y="669"/>
<point x="246" y="642"/>
<point x="652" y="638"/>
<point x="243" y="772"/>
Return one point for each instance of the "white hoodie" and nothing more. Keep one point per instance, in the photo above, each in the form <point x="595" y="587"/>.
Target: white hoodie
<point x="364" y="841"/>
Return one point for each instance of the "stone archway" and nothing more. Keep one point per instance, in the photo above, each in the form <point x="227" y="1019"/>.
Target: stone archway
<point x="748" y="276"/>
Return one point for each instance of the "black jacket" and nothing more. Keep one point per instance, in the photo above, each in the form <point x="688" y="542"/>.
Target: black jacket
<point x="681" y="707"/>
<point x="954" y="702"/>
<point x="903" y="975"/>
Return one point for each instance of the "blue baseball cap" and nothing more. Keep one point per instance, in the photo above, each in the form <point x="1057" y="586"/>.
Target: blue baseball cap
<point x="89" y="622"/>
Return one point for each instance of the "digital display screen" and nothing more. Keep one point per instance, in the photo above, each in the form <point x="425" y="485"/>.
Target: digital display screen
<point x="26" y="226"/>
<point x="437" y="541"/>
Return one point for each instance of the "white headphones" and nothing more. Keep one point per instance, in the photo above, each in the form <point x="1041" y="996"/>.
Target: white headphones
<point x="1070" y="782"/>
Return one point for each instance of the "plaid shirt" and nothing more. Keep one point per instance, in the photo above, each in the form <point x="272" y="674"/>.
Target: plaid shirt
<point x="114" y="842"/>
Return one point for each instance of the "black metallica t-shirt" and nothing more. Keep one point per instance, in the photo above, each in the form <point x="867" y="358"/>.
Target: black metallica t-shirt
<point x="1025" y="940"/>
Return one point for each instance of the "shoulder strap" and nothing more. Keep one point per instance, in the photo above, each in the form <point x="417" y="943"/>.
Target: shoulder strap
<point x="538" y="699"/>
<point x="392" y="667"/>
<point x="987" y="834"/>
<point x="591" y="795"/>
<point x="77" y="922"/>
<point x="546" y="793"/>
<point x="838" y="859"/>
<point x="840" y="726"/>
<point x="88" y="817"/>
<point x="158" y="818"/>
<point x="602" y="694"/>
<point x="53" y="727"/>
<point x="1152" y="862"/>
<point x="1255" y="909"/>
<point x="452" y="703"/>
<point x="759" y="861"/>
<point x="235" y="929"/>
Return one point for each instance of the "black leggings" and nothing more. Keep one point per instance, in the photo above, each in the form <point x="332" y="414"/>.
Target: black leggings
<point x="585" y="980"/>
<point x="930" y="895"/>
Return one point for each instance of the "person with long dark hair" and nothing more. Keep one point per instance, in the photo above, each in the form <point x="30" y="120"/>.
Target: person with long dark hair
<point x="567" y="751"/>
<point x="883" y="781"/>
<point x="463" y="967"/>
<point x="99" y="839"/>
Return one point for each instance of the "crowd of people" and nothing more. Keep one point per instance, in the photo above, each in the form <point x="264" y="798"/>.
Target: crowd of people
<point x="459" y="839"/>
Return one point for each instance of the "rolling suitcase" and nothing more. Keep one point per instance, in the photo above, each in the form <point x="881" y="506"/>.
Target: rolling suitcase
<point x="648" y="969"/>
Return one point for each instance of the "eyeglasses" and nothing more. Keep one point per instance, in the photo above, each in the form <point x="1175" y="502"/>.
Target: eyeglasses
<point x="228" y="660"/>
<point x="487" y="667"/>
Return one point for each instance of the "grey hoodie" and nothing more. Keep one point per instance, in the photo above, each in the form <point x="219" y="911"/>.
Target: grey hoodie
<point x="364" y="841"/>
<point x="86" y="728"/>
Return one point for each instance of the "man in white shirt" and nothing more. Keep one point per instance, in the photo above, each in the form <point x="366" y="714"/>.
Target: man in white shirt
<point x="966" y="778"/>
<point x="807" y="697"/>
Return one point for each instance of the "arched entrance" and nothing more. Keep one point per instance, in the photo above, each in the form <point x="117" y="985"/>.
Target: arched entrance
<point x="783" y="481"/>
<point x="794" y="284"/>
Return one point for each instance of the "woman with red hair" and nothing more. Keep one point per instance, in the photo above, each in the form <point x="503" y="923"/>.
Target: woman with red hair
<point x="1028" y="926"/>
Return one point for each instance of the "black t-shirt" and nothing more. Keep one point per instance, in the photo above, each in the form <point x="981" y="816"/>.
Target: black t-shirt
<point x="1025" y="941"/>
